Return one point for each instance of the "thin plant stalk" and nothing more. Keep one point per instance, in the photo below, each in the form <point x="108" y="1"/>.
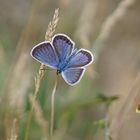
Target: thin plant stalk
<point x="14" y="135"/>
<point x="38" y="79"/>
<point x="50" y="30"/>
<point x="52" y="107"/>
<point x="107" y="136"/>
<point x="110" y="22"/>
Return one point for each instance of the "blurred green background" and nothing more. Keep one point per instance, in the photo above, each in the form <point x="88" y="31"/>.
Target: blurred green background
<point x="89" y="110"/>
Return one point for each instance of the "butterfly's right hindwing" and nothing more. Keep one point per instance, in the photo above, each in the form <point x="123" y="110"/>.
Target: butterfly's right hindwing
<point x="73" y="76"/>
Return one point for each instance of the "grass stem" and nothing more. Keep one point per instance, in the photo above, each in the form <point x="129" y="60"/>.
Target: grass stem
<point x="50" y="30"/>
<point x="52" y="107"/>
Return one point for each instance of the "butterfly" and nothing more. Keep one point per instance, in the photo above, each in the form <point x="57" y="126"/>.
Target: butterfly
<point x="60" y="54"/>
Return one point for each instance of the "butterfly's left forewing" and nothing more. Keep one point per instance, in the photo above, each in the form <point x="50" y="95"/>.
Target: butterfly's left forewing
<point x="81" y="58"/>
<point x="73" y="75"/>
<point x="45" y="53"/>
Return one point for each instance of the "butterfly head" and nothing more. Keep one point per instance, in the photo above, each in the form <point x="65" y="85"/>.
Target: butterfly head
<point x="58" y="72"/>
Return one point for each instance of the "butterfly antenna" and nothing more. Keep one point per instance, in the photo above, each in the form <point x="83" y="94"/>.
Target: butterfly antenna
<point x="44" y="69"/>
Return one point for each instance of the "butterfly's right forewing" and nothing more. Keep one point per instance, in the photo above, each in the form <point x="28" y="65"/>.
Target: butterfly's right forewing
<point x="63" y="46"/>
<point x="45" y="53"/>
<point x="82" y="58"/>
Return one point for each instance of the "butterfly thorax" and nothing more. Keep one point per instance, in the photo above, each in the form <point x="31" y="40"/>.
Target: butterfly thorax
<point x="62" y="65"/>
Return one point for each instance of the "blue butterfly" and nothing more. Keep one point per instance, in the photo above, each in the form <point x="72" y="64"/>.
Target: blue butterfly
<point x="61" y="55"/>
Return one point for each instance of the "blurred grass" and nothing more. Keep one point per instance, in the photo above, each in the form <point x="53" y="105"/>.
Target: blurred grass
<point x="80" y="110"/>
